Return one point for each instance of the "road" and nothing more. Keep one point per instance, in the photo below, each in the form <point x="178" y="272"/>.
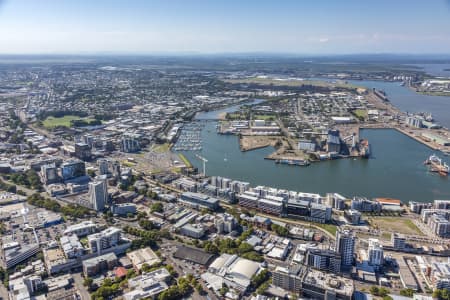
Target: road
<point x="78" y="280"/>
<point x="3" y="292"/>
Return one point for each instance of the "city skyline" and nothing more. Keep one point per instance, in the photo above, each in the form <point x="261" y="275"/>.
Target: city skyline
<point x="196" y="27"/>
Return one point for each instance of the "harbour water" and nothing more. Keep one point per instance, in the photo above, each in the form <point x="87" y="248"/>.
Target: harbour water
<point x="410" y="101"/>
<point x="395" y="169"/>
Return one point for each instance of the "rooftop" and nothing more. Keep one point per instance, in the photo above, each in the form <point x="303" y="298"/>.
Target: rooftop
<point x="194" y="255"/>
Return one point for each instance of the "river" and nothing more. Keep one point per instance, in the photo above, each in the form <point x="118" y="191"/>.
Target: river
<point x="395" y="169"/>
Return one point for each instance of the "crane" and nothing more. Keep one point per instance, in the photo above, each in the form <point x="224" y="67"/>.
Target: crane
<point x="204" y="160"/>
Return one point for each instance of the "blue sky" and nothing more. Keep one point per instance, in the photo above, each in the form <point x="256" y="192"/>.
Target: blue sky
<point x="210" y="26"/>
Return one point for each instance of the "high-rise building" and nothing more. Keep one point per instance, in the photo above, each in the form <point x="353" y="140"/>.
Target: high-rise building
<point x="129" y="144"/>
<point x="49" y="174"/>
<point x="375" y="251"/>
<point x="82" y="151"/>
<point x="98" y="194"/>
<point x="73" y="169"/>
<point x="102" y="166"/>
<point x="324" y="260"/>
<point x="345" y="246"/>
<point x="225" y="223"/>
<point x="103" y="240"/>
<point x="398" y="241"/>
<point x="289" y="279"/>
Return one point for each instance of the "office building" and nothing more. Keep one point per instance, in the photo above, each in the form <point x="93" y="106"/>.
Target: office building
<point x="442" y="204"/>
<point x="320" y="213"/>
<point x="103" y="166"/>
<point x="81" y="229"/>
<point x="375" y="251"/>
<point x="103" y="240"/>
<point x="99" y="264"/>
<point x="82" y="151"/>
<point x="398" y="241"/>
<point x="72" y="169"/>
<point x="248" y="199"/>
<point x="324" y="260"/>
<point x="129" y="144"/>
<point x="296" y="208"/>
<point x="352" y="216"/>
<point x="49" y="174"/>
<point x="323" y="286"/>
<point x="440" y="275"/>
<point x="289" y="279"/>
<point x="98" y="194"/>
<point x="225" y="223"/>
<point x="417" y="207"/>
<point x="271" y="205"/>
<point x="71" y="246"/>
<point x="123" y="209"/>
<point x="345" y="246"/>
<point x="199" y="200"/>
<point x="365" y="205"/>
<point x="439" y="225"/>
<point x="195" y="231"/>
<point x="148" y="285"/>
<point x="336" y="201"/>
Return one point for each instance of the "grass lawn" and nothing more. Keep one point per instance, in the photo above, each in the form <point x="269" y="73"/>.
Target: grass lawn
<point x="162" y="148"/>
<point x="186" y="161"/>
<point x="328" y="227"/>
<point x="128" y="163"/>
<point x="264" y="117"/>
<point x="360" y="113"/>
<point x="235" y="116"/>
<point x="386" y="236"/>
<point x="52" y="122"/>
<point x="396" y="224"/>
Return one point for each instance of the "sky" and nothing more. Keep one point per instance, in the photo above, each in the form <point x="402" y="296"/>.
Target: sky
<point x="228" y="26"/>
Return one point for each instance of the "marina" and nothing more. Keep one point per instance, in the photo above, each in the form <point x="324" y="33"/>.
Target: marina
<point x="189" y="138"/>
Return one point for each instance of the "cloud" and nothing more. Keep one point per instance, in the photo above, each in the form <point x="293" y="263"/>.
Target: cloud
<point x="324" y="40"/>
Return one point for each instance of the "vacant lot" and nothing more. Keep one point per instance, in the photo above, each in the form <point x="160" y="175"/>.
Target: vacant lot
<point x="395" y="224"/>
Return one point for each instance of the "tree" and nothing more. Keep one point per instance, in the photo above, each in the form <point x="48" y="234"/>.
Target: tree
<point x="3" y="275"/>
<point x="244" y="248"/>
<point x="407" y="292"/>
<point x="87" y="282"/>
<point x="157" y="207"/>
<point x="280" y="230"/>
<point x="379" y="291"/>
<point x="145" y="268"/>
<point x="260" y="278"/>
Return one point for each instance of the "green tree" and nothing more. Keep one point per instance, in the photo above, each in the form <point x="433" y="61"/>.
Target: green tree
<point x="157" y="207"/>
<point x="407" y="292"/>
<point x="260" y="278"/>
<point x="87" y="282"/>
